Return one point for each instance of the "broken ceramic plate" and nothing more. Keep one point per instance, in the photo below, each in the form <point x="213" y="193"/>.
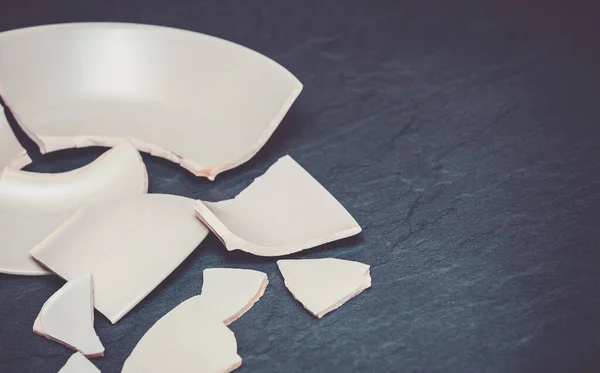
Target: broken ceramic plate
<point x="12" y="153"/>
<point x="128" y="245"/>
<point x="190" y="338"/>
<point x="231" y="292"/>
<point x="323" y="285"/>
<point x="282" y="212"/>
<point x="77" y="363"/>
<point x="68" y="318"/>
<point x="203" y="102"/>
<point x="32" y="205"/>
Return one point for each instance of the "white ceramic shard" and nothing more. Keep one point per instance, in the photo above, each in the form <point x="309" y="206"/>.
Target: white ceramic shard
<point x="77" y="363"/>
<point x="190" y="338"/>
<point x="128" y="245"/>
<point x="323" y="285"/>
<point x="231" y="292"/>
<point x="203" y="102"/>
<point x="32" y="205"/>
<point x="282" y="212"/>
<point x="68" y="318"/>
<point x="12" y="153"/>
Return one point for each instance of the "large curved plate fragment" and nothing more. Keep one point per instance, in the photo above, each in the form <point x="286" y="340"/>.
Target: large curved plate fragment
<point x="190" y="338"/>
<point x="129" y="246"/>
<point x="68" y="318"/>
<point x="12" y="153"/>
<point x="32" y="205"/>
<point x="282" y="212"/>
<point x="203" y="102"/>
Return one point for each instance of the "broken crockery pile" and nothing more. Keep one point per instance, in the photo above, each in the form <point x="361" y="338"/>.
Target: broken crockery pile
<point x="126" y="86"/>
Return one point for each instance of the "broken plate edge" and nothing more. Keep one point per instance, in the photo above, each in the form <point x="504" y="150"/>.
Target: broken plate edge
<point x="253" y="301"/>
<point x="213" y="171"/>
<point x="49" y="144"/>
<point x="20" y="161"/>
<point x="40" y="272"/>
<point x="233" y="242"/>
<point x="364" y="286"/>
<point x="38" y="327"/>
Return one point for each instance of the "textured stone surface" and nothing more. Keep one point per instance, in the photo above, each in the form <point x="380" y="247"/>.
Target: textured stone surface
<point x="464" y="136"/>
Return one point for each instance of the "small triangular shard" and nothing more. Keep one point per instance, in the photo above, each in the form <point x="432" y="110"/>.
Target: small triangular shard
<point x="67" y="317"/>
<point x="323" y="285"/>
<point x="77" y="363"/>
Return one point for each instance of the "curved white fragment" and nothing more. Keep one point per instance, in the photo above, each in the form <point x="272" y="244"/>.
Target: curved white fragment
<point x="32" y="205"/>
<point x="77" y="363"/>
<point x="12" y="153"/>
<point x="68" y="318"/>
<point x="128" y="245"/>
<point x="190" y="338"/>
<point x="119" y="171"/>
<point x="231" y="292"/>
<point x="323" y="285"/>
<point x="203" y="102"/>
<point x="282" y="212"/>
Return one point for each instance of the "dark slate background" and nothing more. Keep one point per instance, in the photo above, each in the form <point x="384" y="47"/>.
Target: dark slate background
<point x="464" y="138"/>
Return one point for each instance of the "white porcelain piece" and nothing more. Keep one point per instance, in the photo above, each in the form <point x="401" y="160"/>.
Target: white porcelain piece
<point x="77" y="363"/>
<point x="323" y="285"/>
<point x="282" y="212"/>
<point x="68" y="318"/>
<point x="32" y="205"/>
<point x="128" y="245"/>
<point x="203" y="102"/>
<point x="190" y="338"/>
<point x="121" y="165"/>
<point x="231" y="292"/>
<point x="12" y="153"/>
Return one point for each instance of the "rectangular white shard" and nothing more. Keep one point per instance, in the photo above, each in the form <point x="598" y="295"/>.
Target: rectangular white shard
<point x="129" y="246"/>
